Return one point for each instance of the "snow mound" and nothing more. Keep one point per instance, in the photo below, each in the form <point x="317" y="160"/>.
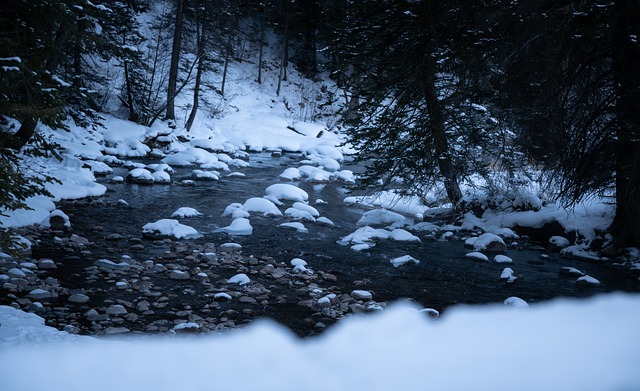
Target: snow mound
<point x="186" y="211"/>
<point x="284" y="191"/>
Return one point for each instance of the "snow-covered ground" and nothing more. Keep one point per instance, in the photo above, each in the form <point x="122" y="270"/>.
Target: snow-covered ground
<point x="565" y="344"/>
<point x="560" y="345"/>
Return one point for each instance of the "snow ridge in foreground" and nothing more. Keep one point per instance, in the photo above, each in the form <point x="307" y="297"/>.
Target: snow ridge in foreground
<point x="561" y="345"/>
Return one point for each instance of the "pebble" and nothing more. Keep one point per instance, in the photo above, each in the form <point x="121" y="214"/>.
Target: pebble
<point x="47" y="264"/>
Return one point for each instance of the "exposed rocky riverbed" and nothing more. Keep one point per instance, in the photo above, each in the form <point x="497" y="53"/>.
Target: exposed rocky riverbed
<point x="102" y="276"/>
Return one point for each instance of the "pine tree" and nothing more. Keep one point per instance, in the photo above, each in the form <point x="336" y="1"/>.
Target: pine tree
<point x="412" y="68"/>
<point x="570" y="82"/>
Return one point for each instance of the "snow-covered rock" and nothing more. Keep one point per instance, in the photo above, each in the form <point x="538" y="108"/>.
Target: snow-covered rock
<point x="559" y="242"/>
<point x="490" y="242"/>
<point x="478" y="256"/>
<point x="170" y="227"/>
<point x="402" y="235"/>
<point x="588" y="281"/>
<point x="186" y="211"/>
<point x="261" y="205"/>
<point x="239" y="226"/>
<point x="382" y="217"/>
<point x="294" y="226"/>
<point x="240" y="279"/>
<point x="502" y="259"/>
<point x="284" y="191"/>
<point x="403" y="260"/>
<point x="516" y="302"/>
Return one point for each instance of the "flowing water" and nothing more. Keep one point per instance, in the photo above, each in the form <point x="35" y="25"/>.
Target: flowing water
<point x="443" y="277"/>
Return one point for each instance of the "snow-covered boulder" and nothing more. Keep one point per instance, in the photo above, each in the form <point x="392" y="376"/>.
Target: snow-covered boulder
<point x="516" y="302"/>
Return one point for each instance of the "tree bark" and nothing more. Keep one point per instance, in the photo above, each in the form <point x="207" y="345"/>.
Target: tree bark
<point x="626" y="62"/>
<point x="175" y="58"/>
<point x="227" y="55"/>
<point x="262" y="27"/>
<point x="201" y="40"/>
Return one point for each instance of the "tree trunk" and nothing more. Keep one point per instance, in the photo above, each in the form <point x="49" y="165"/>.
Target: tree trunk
<point x="227" y="55"/>
<point x="262" y="27"/>
<point x="626" y="62"/>
<point x="200" y="42"/>
<point x="435" y="111"/>
<point x="175" y="58"/>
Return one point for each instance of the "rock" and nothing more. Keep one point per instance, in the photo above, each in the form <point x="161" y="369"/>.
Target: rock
<point x="79" y="240"/>
<point x="361" y="295"/>
<point x="179" y="275"/>
<point x="47" y="264"/>
<point x="247" y="300"/>
<point x="16" y="273"/>
<point x="79" y="298"/>
<point x="230" y="248"/>
<point x="116" y="309"/>
<point x="110" y="265"/>
<point x="41" y="294"/>
<point x="116" y="330"/>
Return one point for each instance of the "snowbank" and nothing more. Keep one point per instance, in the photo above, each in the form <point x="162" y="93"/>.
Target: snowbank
<point x="561" y="345"/>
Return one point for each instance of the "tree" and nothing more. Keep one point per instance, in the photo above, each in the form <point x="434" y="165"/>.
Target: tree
<point x="413" y="67"/>
<point x="569" y="81"/>
<point x="175" y="59"/>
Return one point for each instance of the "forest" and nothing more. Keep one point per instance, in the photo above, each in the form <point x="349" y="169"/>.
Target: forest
<point x="432" y="92"/>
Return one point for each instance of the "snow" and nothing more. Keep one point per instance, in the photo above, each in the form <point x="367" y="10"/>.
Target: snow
<point x="464" y="349"/>
<point x="291" y="174"/>
<point x="170" y="227"/>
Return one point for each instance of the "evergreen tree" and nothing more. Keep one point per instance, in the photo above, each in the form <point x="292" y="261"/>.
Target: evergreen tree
<point x="571" y="84"/>
<point x="412" y="69"/>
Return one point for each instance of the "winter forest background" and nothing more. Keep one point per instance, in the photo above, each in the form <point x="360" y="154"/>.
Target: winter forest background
<point x="480" y="108"/>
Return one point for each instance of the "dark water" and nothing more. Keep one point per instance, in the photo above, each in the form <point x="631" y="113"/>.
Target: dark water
<point x="444" y="277"/>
